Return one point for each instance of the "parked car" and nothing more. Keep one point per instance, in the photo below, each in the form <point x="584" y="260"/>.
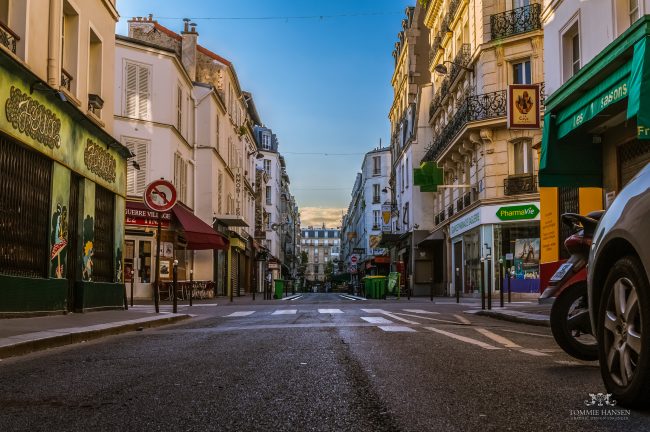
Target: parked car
<point x="619" y="293"/>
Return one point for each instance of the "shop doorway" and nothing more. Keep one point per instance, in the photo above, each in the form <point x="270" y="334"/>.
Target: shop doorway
<point x="73" y="273"/>
<point x="138" y="261"/>
<point x="458" y="266"/>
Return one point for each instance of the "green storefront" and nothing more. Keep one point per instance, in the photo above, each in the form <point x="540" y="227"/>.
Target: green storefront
<point x="62" y="202"/>
<point x="597" y="125"/>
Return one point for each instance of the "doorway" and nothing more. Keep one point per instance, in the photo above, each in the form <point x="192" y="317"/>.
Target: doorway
<point x="458" y="266"/>
<point x="138" y="264"/>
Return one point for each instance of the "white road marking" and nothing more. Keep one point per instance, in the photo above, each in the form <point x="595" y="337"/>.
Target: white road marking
<point x="348" y="297"/>
<point x="498" y="339"/>
<point x="377" y="320"/>
<point x="462" y="319"/>
<point x="285" y="312"/>
<point x="533" y="352"/>
<point x="330" y="311"/>
<point x="204" y="304"/>
<point x="429" y="318"/>
<point x="394" y="328"/>
<point x="464" y="339"/>
<point x="240" y="314"/>
<point x="526" y="333"/>
<point x="374" y="311"/>
<point x="388" y="314"/>
<point x="295" y="298"/>
<point x="420" y="311"/>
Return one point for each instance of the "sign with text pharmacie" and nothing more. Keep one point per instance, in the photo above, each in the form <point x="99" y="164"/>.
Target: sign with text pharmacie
<point x="494" y="214"/>
<point x="523" y="106"/>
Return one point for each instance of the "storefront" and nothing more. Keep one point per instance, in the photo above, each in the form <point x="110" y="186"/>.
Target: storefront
<point x="181" y="233"/>
<point x="600" y="117"/>
<point x="62" y="186"/>
<point x="508" y="232"/>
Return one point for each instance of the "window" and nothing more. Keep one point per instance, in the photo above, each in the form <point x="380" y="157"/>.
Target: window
<point x="523" y="157"/>
<point x="268" y="195"/>
<point x="219" y="191"/>
<point x="179" y="109"/>
<point x="95" y="73"/>
<point x="266" y="141"/>
<point x="376" y="219"/>
<point x="69" y="47"/>
<point x="376" y="165"/>
<point x="375" y="194"/>
<point x="571" y="51"/>
<point x="137" y="91"/>
<point x="267" y="166"/>
<point x="136" y="179"/>
<point x="217" y="134"/>
<point x="406" y="172"/>
<point x="180" y="177"/>
<point x="634" y="10"/>
<point x="521" y="72"/>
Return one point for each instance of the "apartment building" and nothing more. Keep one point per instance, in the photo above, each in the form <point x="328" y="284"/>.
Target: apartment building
<point x="323" y="246"/>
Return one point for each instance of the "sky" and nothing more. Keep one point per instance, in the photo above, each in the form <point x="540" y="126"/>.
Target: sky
<point x="319" y="72"/>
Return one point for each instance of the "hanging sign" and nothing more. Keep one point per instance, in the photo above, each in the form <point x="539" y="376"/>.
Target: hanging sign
<point x="523" y="106"/>
<point x="386" y="217"/>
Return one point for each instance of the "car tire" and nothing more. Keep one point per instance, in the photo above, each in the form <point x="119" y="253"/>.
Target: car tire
<point x="585" y="349"/>
<point x="623" y="329"/>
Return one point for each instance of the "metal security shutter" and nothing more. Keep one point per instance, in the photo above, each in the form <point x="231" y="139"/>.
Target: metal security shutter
<point x="234" y="272"/>
<point x="25" y="184"/>
<point x="104" y="235"/>
<point x="632" y="156"/>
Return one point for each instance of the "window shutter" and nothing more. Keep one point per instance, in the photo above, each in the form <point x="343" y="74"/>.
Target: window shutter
<point x="131" y="90"/>
<point x="144" y="94"/>
<point x="136" y="180"/>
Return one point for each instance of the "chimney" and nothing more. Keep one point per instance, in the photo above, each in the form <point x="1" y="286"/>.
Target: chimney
<point x="188" y="47"/>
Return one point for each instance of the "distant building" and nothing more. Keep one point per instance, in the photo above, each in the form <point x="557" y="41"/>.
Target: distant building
<point x="322" y="245"/>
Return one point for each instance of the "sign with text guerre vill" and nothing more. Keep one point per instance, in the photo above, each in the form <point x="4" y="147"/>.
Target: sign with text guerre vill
<point x="523" y="106"/>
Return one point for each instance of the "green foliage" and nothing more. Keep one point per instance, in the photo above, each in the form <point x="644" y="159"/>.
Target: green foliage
<point x="329" y="270"/>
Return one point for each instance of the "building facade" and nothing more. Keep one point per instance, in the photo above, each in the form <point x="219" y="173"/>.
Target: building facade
<point x="322" y="246"/>
<point x="596" y="110"/>
<point x="62" y="173"/>
<point x="486" y="205"/>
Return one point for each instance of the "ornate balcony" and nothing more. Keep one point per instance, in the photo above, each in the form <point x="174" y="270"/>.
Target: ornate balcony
<point x="66" y="79"/>
<point x="516" y="21"/>
<point x="520" y="184"/>
<point x="8" y="38"/>
<point x="460" y="62"/>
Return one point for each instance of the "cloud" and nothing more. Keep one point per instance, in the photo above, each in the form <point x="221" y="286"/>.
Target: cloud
<point x="316" y="216"/>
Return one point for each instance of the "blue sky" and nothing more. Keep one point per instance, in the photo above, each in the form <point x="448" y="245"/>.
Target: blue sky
<point x="322" y="85"/>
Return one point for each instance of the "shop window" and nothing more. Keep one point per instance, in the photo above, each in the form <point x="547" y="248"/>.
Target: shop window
<point x="25" y="182"/>
<point x="567" y="203"/>
<point x="521" y="72"/>
<point x="571" y="51"/>
<point x="104" y="231"/>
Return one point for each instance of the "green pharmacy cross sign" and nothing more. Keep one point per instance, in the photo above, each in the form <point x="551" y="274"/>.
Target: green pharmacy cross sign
<point x="520" y="212"/>
<point x="428" y="177"/>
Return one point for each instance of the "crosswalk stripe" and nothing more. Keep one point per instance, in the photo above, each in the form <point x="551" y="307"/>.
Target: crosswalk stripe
<point x="241" y="314"/>
<point x="330" y="311"/>
<point x="464" y="339"/>
<point x="377" y="320"/>
<point x="533" y="352"/>
<point x="462" y="319"/>
<point x="388" y="314"/>
<point x="347" y="297"/>
<point x="428" y="318"/>
<point x="420" y="311"/>
<point x="394" y="328"/>
<point x="497" y="338"/>
<point x="285" y="312"/>
<point x="374" y="311"/>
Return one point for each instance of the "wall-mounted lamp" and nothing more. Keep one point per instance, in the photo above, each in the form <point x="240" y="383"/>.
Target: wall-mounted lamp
<point x="41" y="86"/>
<point x="442" y="69"/>
<point x="258" y="156"/>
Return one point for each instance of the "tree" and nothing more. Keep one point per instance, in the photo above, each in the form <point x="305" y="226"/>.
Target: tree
<point x="329" y="270"/>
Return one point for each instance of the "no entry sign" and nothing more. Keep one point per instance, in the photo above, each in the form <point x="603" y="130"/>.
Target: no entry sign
<point x="160" y="195"/>
<point x="353" y="259"/>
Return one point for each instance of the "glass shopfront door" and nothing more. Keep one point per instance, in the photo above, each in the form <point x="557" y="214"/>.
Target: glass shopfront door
<point x="138" y="264"/>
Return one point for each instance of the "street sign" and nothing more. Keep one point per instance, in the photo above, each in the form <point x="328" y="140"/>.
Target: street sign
<point x="358" y="250"/>
<point x="353" y="259"/>
<point x="508" y="213"/>
<point x="160" y="195"/>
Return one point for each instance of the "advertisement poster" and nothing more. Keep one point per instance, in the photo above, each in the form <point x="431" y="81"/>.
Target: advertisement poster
<point x="527" y="258"/>
<point x="374" y="241"/>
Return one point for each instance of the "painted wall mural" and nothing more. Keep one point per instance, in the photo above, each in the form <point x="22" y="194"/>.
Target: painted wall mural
<point x="88" y="251"/>
<point x="59" y="239"/>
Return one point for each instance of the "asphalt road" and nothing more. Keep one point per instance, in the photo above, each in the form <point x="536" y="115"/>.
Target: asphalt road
<point x="318" y="363"/>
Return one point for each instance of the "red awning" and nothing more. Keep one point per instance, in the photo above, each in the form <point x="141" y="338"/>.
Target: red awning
<point x="198" y="234"/>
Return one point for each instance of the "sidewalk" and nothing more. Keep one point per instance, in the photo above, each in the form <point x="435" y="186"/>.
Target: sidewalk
<point x="529" y="312"/>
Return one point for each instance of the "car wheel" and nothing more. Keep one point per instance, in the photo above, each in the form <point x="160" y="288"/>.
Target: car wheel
<point x="623" y="331"/>
<point x="570" y="323"/>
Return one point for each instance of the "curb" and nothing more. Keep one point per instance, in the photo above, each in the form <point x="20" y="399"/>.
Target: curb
<point x="518" y="317"/>
<point x="39" y="341"/>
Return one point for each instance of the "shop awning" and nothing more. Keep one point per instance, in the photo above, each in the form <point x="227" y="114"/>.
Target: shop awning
<point x="617" y="81"/>
<point x="231" y="220"/>
<point x="435" y="236"/>
<point x="198" y="234"/>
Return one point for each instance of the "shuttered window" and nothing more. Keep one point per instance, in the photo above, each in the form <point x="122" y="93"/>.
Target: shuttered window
<point x="180" y="177"/>
<point x="136" y="180"/>
<point x="179" y="109"/>
<point x="137" y="91"/>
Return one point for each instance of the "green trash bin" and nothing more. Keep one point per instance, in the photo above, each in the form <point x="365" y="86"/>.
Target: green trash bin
<point x="368" y="287"/>
<point x="279" y="288"/>
<point x="380" y="287"/>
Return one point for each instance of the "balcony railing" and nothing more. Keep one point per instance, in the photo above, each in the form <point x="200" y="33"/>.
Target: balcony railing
<point x="66" y="79"/>
<point x="8" y="38"/>
<point x="516" y="21"/>
<point x="444" y="28"/>
<point x="521" y="184"/>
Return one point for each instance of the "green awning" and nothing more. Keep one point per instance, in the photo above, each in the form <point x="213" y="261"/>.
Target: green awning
<point x="618" y="75"/>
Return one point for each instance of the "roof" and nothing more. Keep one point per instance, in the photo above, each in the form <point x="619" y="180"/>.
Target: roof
<point x="143" y="43"/>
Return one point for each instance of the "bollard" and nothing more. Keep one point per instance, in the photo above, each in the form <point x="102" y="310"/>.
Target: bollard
<point x="508" y="274"/>
<point x="501" y="282"/>
<point x="489" y="282"/>
<point x="175" y="286"/>
<point x="132" y="282"/>
<point x="191" y="285"/>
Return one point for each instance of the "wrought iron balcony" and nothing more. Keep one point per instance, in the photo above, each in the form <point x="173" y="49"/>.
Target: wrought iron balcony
<point x="66" y="79"/>
<point x="8" y="37"/>
<point x="460" y="62"/>
<point x="516" y="21"/>
<point x="520" y="184"/>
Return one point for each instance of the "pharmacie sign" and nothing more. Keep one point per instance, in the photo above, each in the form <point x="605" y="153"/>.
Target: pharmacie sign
<point x="465" y="223"/>
<point x="518" y="212"/>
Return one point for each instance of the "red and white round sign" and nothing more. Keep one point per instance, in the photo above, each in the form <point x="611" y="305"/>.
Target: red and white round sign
<point x="160" y="195"/>
<point x="353" y="259"/>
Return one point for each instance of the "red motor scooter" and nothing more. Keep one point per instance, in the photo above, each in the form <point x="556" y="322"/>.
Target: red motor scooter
<point x="570" y="314"/>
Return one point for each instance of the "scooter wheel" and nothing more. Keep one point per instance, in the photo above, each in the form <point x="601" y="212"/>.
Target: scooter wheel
<point x="566" y="315"/>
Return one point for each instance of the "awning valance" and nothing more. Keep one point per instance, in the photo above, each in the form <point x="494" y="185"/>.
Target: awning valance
<point x="617" y="81"/>
<point x="198" y="234"/>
